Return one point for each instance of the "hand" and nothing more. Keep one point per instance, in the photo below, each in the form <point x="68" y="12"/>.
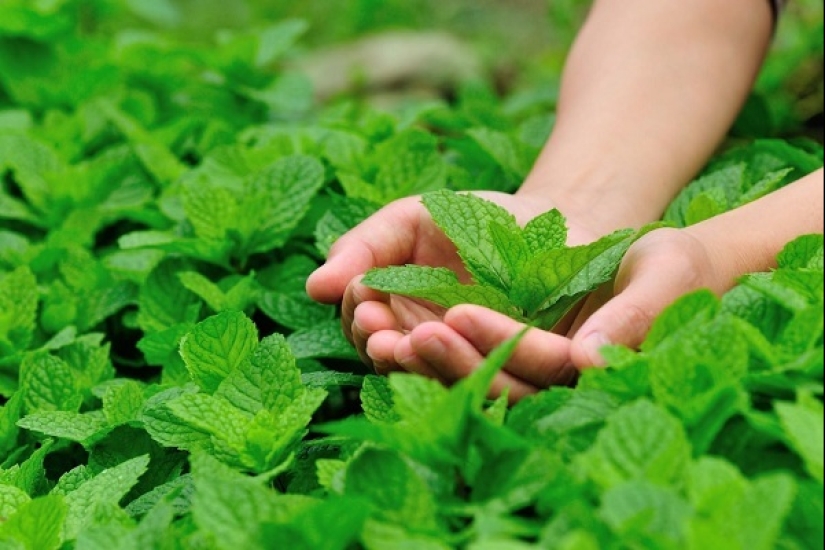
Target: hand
<point x="400" y="233"/>
<point x="660" y="267"/>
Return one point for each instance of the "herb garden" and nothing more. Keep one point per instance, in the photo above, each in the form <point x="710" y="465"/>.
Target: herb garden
<point x="165" y="382"/>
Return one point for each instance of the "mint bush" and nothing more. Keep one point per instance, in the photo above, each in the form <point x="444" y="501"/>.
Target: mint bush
<point x="166" y="383"/>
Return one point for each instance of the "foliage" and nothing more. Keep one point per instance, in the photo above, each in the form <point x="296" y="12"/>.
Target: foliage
<point x="166" y="383"/>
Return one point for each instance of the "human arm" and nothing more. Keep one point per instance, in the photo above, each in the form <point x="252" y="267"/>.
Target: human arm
<point x="648" y="92"/>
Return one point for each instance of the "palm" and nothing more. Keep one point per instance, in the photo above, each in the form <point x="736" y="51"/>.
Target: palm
<point x="381" y="320"/>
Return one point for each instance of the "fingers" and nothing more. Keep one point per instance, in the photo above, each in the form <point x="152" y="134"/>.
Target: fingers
<point x="435" y="349"/>
<point x="386" y="238"/>
<point x="542" y="358"/>
<point x="453" y="349"/>
<point x="371" y="319"/>
<point x="374" y="322"/>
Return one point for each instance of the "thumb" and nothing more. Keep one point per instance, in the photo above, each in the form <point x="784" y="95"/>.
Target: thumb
<point x="385" y="238"/>
<point x="626" y="318"/>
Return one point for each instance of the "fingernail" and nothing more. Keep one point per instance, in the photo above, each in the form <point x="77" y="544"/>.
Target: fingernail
<point x="432" y="347"/>
<point x="592" y="344"/>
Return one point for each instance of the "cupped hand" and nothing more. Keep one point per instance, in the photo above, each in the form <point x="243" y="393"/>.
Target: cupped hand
<point x="400" y="233"/>
<point x="660" y="267"/>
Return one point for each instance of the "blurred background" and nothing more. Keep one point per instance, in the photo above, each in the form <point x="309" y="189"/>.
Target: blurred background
<point x="513" y="44"/>
<point x="391" y="51"/>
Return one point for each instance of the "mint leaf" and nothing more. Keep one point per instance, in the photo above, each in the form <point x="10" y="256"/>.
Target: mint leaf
<point x="803" y="426"/>
<point x="286" y="189"/>
<point x="639" y="441"/>
<point x="396" y="491"/>
<point x="268" y="379"/>
<point x="216" y="417"/>
<point x="377" y="400"/>
<point x="166" y="428"/>
<point x="324" y="340"/>
<point x="38" y="523"/>
<point x="18" y="309"/>
<point x="11" y="499"/>
<point x="648" y="510"/>
<point x="106" y="488"/>
<point x="163" y="301"/>
<point x="345" y="213"/>
<point x="85" y="428"/>
<point x="216" y="346"/>
<point x="546" y="232"/>
<point x="49" y="383"/>
<point x="435" y="284"/>
<point x="805" y="252"/>
<point x="550" y="276"/>
<point x="466" y="219"/>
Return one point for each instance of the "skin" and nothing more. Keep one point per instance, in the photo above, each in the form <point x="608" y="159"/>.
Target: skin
<point x="649" y="90"/>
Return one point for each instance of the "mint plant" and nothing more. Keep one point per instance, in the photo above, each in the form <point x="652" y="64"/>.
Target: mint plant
<point x="165" y="382"/>
<point x="527" y="273"/>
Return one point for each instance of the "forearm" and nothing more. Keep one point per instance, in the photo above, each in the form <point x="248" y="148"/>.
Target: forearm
<point x="748" y="239"/>
<point x="649" y="90"/>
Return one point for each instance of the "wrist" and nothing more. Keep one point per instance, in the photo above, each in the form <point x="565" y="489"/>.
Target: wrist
<point x="594" y="196"/>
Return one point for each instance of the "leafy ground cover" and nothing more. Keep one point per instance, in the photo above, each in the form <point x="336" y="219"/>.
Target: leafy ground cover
<point x="166" y="383"/>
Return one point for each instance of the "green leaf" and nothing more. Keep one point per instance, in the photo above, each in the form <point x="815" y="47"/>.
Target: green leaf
<point x="803" y="426"/>
<point x="706" y="205"/>
<point x="344" y="215"/>
<point x="122" y="402"/>
<point x="639" y="441"/>
<point x="435" y="284"/>
<point x="38" y="523"/>
<point x="163" y="301"/>
<point x="294" y="310"/>
<point x="545" y="232"/>
<point x="678" y="319"/>
<point x="377" y="400"/>
<point x="324" y="340"/>
<point x="396" y="491"/>
<point x="805" y="252"/>
<point x="18" y="309"/>
<point x="415" y="397"/>
<point x="465" y="219"/>
<point x="715" y="485"/>
<point x="214" y="416"/>
<point x="229" y="506"/>
<point x="728" y="179"/>
<point x="49" y="384"/>
<point x="206" y="290"/>
<point x="216" y="346"/>
<point x="166" y="428"/>
<point x="570" y="272"/>
<point x="11" y="499"/>
<point x="106" y="488"/>
<point x="511" y="155"/>
<point x="10" y="413"/>
<point x="285" y="189"/>
<point x="647" y="508"/>
<point x="268" y="379"/>
<point x="211" y="210"/>
<point x="408" y="163"/>
<point x="155" y="156"/>
<point x="85" y="428"/>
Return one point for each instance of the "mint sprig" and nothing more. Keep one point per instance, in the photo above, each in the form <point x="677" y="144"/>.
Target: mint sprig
<point x="527" y="273"/>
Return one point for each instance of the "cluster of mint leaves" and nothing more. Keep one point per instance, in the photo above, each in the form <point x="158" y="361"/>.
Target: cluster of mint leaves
<point x="166" y="383"/>
<point x="528" y="273"/>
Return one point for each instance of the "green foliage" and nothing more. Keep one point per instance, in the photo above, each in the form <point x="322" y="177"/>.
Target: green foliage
<point x="165" y="382"/>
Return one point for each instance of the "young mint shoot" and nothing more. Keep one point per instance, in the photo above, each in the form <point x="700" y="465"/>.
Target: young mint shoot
<point x="529" y="273"/>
